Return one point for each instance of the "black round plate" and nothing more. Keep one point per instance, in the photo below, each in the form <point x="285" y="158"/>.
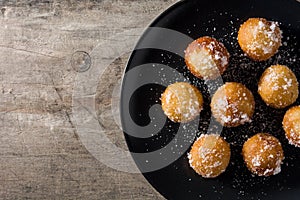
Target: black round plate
<point x="147" y="130"/>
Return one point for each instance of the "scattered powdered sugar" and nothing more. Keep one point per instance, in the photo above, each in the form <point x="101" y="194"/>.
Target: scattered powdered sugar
<point x="291" y="125"/>
<point x="218" y="50"/>
<point x="168" y="97"/>
<point x="277" y="170"/>
<point x="288" y="83"/>
<point x="203" y="63"/>
<point x="266" y="158"/>
<point x="207" y="57"/>
<point x="207" y="155"/>
<point x="256" y="161"/>
<point x="270" y="35"/>
<point x="232" y="111"/>
<point x="181" y="102"/>
<point x="246" y="71"/>
<point x="283" y="84"/>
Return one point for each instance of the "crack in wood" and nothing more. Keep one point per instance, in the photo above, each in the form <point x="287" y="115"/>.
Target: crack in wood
<point x="31" y="52"/>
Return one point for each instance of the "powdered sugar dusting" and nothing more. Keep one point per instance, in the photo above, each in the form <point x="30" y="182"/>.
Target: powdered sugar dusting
<point x="263" y="154"/>
<point x="182" y="102"/>
<point x="242" y="69"/>
<point x="264" y="30"/>
<point x="206" y="57"/>
<point x="233" y="104"/>
<point x="209" y="156"/>
<point x="291" y="125"/>
<point x="278" y="86"/>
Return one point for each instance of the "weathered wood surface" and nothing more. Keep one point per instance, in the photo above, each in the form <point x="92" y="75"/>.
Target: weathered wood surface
<point x="41" y="156"/>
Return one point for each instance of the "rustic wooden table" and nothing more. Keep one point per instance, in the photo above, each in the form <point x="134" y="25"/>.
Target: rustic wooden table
<point x="41" y="155"/>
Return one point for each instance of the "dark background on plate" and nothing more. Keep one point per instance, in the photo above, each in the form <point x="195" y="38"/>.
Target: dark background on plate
<point x="219" y="19"/>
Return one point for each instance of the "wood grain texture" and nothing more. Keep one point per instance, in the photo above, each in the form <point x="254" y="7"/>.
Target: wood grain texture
<point x="41" y="156"/>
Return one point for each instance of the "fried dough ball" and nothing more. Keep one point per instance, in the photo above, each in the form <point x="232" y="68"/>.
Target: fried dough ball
<point x="259" y="39"/>
<point x="233" y="104"/>
<point x="182" y="102"/>
<point x="263" y="154"/>
<point x="210" y="155"/>
<point x="278" y="86"/>
<point x="291" y="125"/>
<point x="206" y="58"/>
